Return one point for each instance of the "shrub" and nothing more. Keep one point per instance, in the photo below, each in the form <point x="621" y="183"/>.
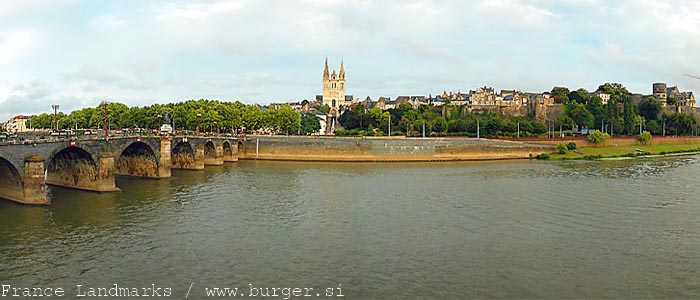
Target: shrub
<point x="543" y="156"/>
<point x="561" y="148"/>
<point x="571" y="146"/>
<point x="645" y="137"/>
<point x="598" y="137"/>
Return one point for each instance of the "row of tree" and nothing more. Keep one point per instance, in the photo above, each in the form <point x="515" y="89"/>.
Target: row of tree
<point x="404" y="119"/>
<point x="621" y="115"/>
<point x="211" y="115"/>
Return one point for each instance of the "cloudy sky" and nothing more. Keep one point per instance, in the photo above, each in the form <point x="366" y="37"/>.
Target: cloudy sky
<point x="76" y="53"/>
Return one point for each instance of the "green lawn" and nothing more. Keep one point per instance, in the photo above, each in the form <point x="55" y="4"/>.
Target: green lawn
<point x="615" y="151"/>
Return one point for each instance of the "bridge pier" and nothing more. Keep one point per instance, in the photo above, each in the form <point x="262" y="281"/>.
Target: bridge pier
<point x="199" y="157"/>
<point x="218" y="157"/>
<point x="230" y="153"/>
<point x="105" y="174"/>
<point x="34" y="187"/>
<point x="164" y="168"/>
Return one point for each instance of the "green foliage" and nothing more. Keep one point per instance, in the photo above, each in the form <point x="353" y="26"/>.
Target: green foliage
<point x="671" y="101"/>
<point x="579" y="96"/>
<point x="571" y="146"/>
<point x="561" y="148"/>
<point x="645" y="137"/>
<point x="310" y="123"/>
<point x="616" y="89"/>
<point x="579" y="114"/>
<point x="650" y="108"/>
<point x="354" y="132"/>
<point x="598" y="137"/>
<point x="227" y="116"/>
<point x="324" y="108"/>
<point x="680" y="123"/>
<point x="544" y="156"/>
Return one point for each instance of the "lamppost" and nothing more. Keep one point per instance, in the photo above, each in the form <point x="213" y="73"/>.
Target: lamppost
<point x="159" y="116"/>
<point x="55" y="108"/>
<point x="217" y="127"/>
<point x="104" y="118"/>
<point x="198" y="116"/>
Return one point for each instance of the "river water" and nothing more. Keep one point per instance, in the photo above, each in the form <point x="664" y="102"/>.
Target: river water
<point x="519" y="229"/>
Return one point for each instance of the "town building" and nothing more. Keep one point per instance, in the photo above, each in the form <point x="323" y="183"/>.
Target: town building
<point x="605" y="97"/>
<point x="663" y="93"/>
<point x="17" y="124"/>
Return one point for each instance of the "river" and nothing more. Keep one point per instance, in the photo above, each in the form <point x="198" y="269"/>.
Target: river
<point x="513" y="229"/>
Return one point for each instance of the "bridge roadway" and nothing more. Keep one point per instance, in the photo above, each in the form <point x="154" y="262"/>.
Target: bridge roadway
<point x="91" y="164"/>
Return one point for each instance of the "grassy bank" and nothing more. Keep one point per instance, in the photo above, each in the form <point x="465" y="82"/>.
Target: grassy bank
<point x="613" y="151"/>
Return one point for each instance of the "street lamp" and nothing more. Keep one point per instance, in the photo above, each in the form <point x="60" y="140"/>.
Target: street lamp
<point x="217" y="127"/>
<point x="159" y="116"/>
<point x="104" y="118"/>
<point x="55" y="108"/>
<point x="198" y="116"/>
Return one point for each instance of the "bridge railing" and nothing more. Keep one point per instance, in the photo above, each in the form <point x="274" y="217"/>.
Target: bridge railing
<point x="53" y="139"/>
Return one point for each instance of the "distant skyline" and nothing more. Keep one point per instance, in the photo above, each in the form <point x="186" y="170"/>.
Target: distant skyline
<point x="77" y="53"/>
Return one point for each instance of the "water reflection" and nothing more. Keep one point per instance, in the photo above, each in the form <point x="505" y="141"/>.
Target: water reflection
<point x="523" y="229"/>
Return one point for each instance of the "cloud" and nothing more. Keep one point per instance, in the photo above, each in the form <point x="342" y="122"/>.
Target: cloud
<point x="34" y="98"/>
<point x="198" y="11"/>
<point x="107" y="22"/>
<point x="17" y="44"/>
<point x="96" y="75"/>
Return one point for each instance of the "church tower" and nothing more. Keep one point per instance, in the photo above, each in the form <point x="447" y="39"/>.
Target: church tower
<point x="334" y="88"/>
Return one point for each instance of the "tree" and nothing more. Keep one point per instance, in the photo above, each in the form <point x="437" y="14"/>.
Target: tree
<point x="287" y="119"/>
<point x="310" y="123"/>
<point x="629" y="115"/>
<point x="579" y="114"/>
<point x="598" y="137"/>
<point x="324" y="108"/>
<point x="645" y="137"/>
<point x="613" y="89"/>
<point x="650" y="108"/>
<point x="580" y="96"/>
<point x="671" y="101"/>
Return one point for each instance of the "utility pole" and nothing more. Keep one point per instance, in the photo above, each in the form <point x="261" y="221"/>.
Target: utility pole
<point x="477" y="129"/>
<point x="423" y="128"/>
<point x="104" y="118"/>
<point x="664" y="127"/>
<point x="55" y="108"/>
<point x="390" y="125"/>
<point x="640" y="125"/>
<point x="518" y="129"/>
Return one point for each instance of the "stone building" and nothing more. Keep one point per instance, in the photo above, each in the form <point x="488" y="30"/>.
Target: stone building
<point x="663" y="93"/>
<point x="334" y="89"/>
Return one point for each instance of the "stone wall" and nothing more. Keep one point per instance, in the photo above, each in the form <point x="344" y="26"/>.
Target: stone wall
<point x="385" y="149"/>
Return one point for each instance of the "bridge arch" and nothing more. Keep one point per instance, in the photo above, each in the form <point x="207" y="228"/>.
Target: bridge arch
<point x="183" y="156"/>
<point x="227" y="148"/>
<point x="11" y="186"/>
<point x="139" y="160"/>
<point x="72" y="167"/>
<point x="209" y="149"/>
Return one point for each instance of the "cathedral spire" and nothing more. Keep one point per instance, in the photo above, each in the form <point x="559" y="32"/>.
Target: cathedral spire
<point x="342" y="69"/>
<point x="325" y="70"/>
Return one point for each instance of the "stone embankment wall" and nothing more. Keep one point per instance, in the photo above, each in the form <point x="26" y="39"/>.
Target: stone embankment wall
<point x="619" y="141"/>
<point x="385" y="149"/>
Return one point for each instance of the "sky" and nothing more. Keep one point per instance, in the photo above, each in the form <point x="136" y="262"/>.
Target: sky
<point x="77" y="53"/>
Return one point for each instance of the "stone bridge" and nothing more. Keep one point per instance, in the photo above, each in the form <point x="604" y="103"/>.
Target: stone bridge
<point x="91" y="165"/>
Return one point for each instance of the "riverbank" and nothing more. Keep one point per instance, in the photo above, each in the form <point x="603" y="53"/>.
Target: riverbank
<point x="385" y="149"/>
<point x="628" y="151"/>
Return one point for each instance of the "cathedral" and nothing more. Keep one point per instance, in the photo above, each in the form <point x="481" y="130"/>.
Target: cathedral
<point x="334" y="90"/>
